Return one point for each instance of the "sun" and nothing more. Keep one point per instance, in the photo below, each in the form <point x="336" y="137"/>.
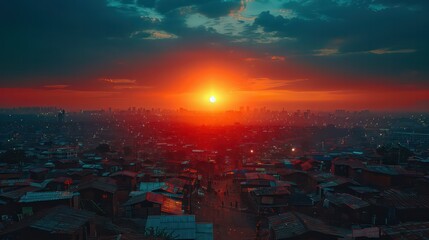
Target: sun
<point x="212" y="99"/>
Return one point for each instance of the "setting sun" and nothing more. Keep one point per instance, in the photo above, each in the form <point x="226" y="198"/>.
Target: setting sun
<point x="212" y="99"/>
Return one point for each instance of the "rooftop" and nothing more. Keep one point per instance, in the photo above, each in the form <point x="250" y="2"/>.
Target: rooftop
<point x="18" y="193"/>
<point x="46" y="196"/>
<point x="151" y="186"/>
<point x="293" y="224"/>
<point x="63" y="219"/>
<point x="413" y="230"/>
<point x="100" y="184"/>
<point x="392" y="170"/>
<point x="347" y="200"/>
<point x="271" y="191"/>
<point x="184" y="226"/>
<point x="124" y="173"/>
<point x="401" y="200"/>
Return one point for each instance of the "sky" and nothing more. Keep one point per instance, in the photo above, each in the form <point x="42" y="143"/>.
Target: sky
<point x="292" y="54"/>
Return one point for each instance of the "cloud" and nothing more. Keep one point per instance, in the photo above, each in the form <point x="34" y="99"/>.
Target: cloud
<point x="218" y="8"/>
<point x="259" y="84"/>
<point x="153" y="35"/>
<point x="119" y="81"/>
<point x="326" y="52"/>
<point x="277" y="58"/>
<point x="43" y="44"/>
<point x="270" y="23"/>
<point x="389" y="51"/>
<point x="132" y="87"/>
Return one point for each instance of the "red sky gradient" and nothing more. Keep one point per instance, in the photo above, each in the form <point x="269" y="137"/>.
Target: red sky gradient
<point x="237" y="78"/>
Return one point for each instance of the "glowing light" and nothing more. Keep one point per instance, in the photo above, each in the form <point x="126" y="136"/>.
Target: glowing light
<point x="251" y="151"/>
<point x="293" y="149"/>
<point x="212" y="99"/>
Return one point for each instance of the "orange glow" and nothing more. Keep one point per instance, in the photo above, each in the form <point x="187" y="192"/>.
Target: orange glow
<point x="189" y="79"/>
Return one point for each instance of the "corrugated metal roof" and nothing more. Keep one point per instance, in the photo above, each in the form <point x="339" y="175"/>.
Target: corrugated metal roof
<point x="46" y="196"/>
<point x="204" y="231"/>
<point x="174" y="185"/>
<point x="415" y="231"/>
<point x="363" y="189"/>
<point x="351" y="162"/>
<point x="292" y="224"/>
<point x="286" y="225"/>
<point x="63" y="219"/>
<point x="151" y="186"/>
<point x="18" y="193"/>
<point x="183" y="226"/>
<point x="171" y="206"/>
<point x="347" y="200"/>
<point x="259" y="176"/>
<point x="336" y="181"/>
<point x="148" y="196"/>
<point x="105" y="185"/>
<point x="392" y="170"/>
<point x="401" y="200"/>
<point x="257" y="182"/>
<point x="124" y="173"/>
<point x="271" y="191"/>
<point x="15" y="182"/>
<point x="168" y="205"/>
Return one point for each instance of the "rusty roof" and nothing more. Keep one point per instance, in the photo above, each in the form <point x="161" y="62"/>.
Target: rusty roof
<point x="168" y="205"/>
<point x="259" y="176"/>
<point x="174" y="185"/>
<point x="148" y="196"/>
<point x="171" y="206"/>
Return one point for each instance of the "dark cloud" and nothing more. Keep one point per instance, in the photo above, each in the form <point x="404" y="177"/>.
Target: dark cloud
<point x="271" y="23"/>
<point x="50" y="39"/>
<point x="344" y="36"/>
<point x="209" y="8"/>
<point x="218" y="8"/>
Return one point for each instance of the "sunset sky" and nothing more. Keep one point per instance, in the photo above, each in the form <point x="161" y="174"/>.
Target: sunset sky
<point x="294" y="54"/>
